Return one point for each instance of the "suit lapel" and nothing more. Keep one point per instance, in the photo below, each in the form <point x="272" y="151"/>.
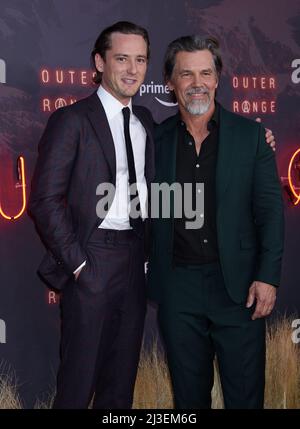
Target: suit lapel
<point x="171" y="151"/>
<point x="168" y="159"/>
<point x="226" y="154"/>
<point x="100" y="124"/>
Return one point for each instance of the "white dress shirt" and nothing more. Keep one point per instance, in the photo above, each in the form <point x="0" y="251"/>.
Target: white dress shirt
<point x="117" y="216"/>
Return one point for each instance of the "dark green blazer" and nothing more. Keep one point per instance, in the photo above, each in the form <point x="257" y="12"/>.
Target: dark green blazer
<point x="250" y="219"/>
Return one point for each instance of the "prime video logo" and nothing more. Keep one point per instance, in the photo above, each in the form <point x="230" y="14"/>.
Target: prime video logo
<point x="153" y="88"/>
<point x="2" y="332"/>
<point x="2" y="71"/>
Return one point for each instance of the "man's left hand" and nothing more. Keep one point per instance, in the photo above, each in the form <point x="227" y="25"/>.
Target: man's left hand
<point x="269" y="136"/>
<point x="265" y="296"/>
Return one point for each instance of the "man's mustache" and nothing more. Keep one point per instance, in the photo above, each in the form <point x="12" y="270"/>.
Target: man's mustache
<point x="193" y="91"/>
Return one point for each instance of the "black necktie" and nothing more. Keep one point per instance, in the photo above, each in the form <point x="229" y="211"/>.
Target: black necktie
<point x="135" y="222"/>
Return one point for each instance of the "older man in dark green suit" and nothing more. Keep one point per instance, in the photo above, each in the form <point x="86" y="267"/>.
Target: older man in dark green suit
<point x="214" y="284"/>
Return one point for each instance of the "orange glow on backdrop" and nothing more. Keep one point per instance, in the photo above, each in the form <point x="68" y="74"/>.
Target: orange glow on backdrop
<point x="295" y="165"/>
<point x="20" y="184"/>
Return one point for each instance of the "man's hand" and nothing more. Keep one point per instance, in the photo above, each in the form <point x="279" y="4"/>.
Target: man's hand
<point x="269" y="136"/>
<point x="265" y="296"/>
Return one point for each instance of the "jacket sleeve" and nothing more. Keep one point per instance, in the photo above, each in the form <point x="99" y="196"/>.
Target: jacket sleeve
<point x="48" y="199"/>
<point x="268" y="213"/>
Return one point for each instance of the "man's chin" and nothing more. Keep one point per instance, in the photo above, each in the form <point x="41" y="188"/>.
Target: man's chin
<point x="130" y="92"/>
<point x="196" y="109"/>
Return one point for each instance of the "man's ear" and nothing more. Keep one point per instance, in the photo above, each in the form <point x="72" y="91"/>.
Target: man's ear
<point x="99" y="62"/>
<point x="170" y="85"/>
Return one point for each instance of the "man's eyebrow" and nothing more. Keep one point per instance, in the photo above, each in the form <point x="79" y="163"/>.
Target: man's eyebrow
<point x="190" y="70"/>
<point x="126" y="55"/>
<point x="184" y="70"/>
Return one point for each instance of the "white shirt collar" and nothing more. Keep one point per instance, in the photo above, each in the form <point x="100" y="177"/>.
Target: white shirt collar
<point x="111" y="105"/>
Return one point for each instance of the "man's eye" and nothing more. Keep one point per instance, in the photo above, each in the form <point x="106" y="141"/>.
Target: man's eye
<point x="141" y="60"/>
<point x="121" y="59"/>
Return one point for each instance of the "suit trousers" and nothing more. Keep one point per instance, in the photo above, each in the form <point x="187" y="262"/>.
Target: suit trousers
<point x="198" y="320"/>
<point x="102" y="324"/>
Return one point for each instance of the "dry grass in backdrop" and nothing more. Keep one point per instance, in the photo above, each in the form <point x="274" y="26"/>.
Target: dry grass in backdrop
<point x="153" y="388"/>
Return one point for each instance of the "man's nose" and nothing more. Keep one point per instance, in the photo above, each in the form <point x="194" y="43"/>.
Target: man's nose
<point x="198" y="81"/>
<point x="132" y="67"/>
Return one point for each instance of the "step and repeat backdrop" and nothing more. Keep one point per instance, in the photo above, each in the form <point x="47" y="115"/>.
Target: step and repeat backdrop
<point x="45" y="50"/>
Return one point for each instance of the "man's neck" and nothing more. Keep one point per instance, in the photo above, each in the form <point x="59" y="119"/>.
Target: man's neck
<point x="123" y="100"/>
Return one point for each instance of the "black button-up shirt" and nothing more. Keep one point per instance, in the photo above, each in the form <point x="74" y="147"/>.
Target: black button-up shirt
<point x="197" y="246"/>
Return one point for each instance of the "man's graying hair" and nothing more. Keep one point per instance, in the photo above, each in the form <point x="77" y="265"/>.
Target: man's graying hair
<point x="191" y="44"/>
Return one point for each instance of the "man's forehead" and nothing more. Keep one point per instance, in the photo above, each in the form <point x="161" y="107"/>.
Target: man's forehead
<point x="130" y="41"/>
<point x="195" y="59"/>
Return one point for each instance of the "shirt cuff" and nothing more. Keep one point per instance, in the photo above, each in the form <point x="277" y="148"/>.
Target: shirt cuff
<point x="79" y="268"/>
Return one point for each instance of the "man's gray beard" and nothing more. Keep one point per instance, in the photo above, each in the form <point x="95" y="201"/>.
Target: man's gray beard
<point x="198" y="107"/>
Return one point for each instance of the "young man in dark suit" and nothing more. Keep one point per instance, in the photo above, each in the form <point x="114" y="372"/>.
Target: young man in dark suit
<point x="214" y="284"/>
<point x="96" y="258"/>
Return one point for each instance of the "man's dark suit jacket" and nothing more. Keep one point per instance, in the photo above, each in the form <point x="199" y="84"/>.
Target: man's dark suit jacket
<point x="250" y="221"/>
<point x="76" y="154"/>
